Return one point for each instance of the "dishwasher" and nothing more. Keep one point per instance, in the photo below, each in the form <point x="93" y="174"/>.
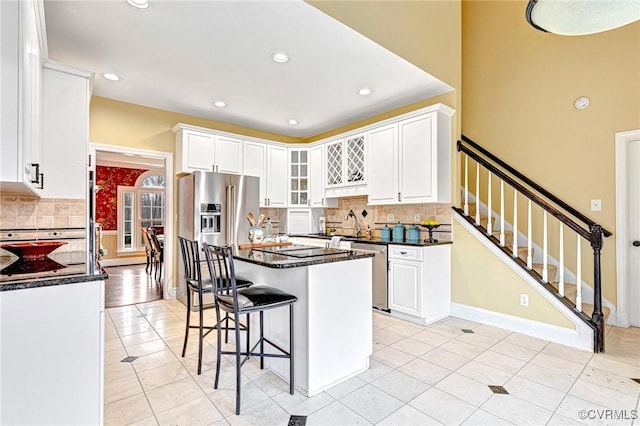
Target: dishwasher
<point x="380" y="268"/>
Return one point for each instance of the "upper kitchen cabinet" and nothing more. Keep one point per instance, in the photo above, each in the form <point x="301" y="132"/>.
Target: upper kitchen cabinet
<point x="317" y="196"/>
<point x="23" y="52"/>
<point x="418" y="167"/>
<point x="298" y="177"/>
<point x="65" y="123"/>
<point x="201" y="149"/>
<point x="269" y="163"/>
<point x="346" y="166"/>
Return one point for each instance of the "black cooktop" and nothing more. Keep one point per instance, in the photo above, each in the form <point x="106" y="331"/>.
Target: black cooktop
<point x="302" y="251"/>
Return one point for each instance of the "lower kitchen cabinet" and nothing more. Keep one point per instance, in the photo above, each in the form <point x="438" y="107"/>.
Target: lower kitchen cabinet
<point x="52" y="355"/>
<point x="420" y="282"/>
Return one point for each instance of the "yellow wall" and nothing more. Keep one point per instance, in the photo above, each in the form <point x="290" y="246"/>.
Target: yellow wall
<point x="519" y="86"/>
<point x="484" y="281"/>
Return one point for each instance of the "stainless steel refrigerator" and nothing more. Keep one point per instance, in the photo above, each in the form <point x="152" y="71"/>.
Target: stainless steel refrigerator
<point x="212" y="208"/>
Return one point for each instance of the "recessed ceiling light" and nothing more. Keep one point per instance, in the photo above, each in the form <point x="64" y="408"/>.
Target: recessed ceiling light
<point x="111" y="76"/>
<point x="280" y="57"/>
<point x="293" y="122"/>
<point x="220" y="104"/>
<point x="364" y="91"/>
<point x="582" y="102"/>
<point x="139" y="4"/>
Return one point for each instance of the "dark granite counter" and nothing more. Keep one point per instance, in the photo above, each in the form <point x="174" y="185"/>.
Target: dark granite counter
<point x="372" y="240"/>
<point x="318" y="256"/>
<point x="56" y="269"/>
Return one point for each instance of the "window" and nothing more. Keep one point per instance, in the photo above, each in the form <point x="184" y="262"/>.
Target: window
<point x="139" y="206"/>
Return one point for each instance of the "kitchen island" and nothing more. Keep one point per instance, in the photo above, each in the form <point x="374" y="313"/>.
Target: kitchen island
<point x="332" y="318"/>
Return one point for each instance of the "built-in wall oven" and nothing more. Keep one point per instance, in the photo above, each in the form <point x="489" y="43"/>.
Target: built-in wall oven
<point x="380" y="270"/>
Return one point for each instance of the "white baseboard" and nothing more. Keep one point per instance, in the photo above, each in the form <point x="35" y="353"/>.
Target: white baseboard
<point x="123" y="261"/>
<point x="581" y="337"/>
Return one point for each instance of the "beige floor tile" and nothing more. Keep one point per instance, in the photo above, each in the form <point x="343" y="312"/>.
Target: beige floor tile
<point x="482" y="418"/>
<point x="445" y="359"/>
<point x="601" y="395"/>
<point x="602" y="362"/>
<point x="136" y="339"/>
<point x="118" y="370"/>
<point x="173" y="394"/>
<point x="154" y="360"/>
<point x="466" y="389"/>
<point x="526" y="341"/>
<point x="225" y="398"/>
<point x="127" y="410"/>
<point x="336" y="414"/>
<point x="516" y="410"/>
<point x="610" y="380"/>
<point x="392" y="357"/>
<point x="557" y="364"/>
<point x="460" y="323"/>
<point x="376" y="369"/>
<point x="148" y="421"/>
<point x="270" y="384"/>
<point x="446" y="330"/>
<point x="159" y="376"/>
<point x="147" y="348"/>
<point x="490" y="331"/>
<point x="407" y="415"/>
<point x="383" y="321"/>
<point x="441" y="406"/>
<point x="545" y="376"/>
<point x="302" y="405"/>
<point x="371" y="403"/>
<point x="559" y="420"/>
<point x="424" y="371"/>
<point x="115" y="390"/>
<point x="400" y="385"/>
<point x="113" y="344"/>
<point x="386" y="337"/>
<point x="264" y="413"/>
<point x="567" y="353"/>
<point x="134" y="329"/>
<point x="405" y="329"/>
<point x="346" y="387"/>
<point x="500" y="361"/>
<point x="514" y="351"/>
<point x="114" y="356"/>
<point x="476" y="339"/>
<point x="462" y="348"/>
<point x="535" y="393"/>
<point x="411" y="347"/>
<point x="573" y="407"/>
<point x="431" y="338"/>
<point x="199" y="411"/>
<point x="484" y="374"/>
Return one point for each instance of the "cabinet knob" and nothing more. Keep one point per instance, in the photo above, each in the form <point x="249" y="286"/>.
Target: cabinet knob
<point x="323" y="201"/>
<point x="398" y="196"/>
<point x="403" y="252"/>
<point x="636" y="243"/>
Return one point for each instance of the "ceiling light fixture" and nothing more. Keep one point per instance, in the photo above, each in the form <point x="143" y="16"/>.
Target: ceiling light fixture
<point x="581" y="17"/>
<point x="139" y="4"/>
<point x="582" y="102"/>
<point x="280" y="57"/>
<point x="293" y="122"/>
<point x="220" y="104"/>
<point x="111" y="77"/>
<point x="364" y="91"/>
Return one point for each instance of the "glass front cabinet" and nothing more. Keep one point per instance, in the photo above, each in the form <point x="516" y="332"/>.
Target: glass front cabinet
<point x="298" y="177"/>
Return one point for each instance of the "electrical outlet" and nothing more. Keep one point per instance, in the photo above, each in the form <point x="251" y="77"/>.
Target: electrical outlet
<point x="596" y="205"/>
<point x="524" y="299"/>
<point x="416" y="217"/>
<point x="391" y="217"/>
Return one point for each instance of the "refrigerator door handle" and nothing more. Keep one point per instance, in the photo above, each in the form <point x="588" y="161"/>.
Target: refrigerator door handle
<point x="231" y="203"/>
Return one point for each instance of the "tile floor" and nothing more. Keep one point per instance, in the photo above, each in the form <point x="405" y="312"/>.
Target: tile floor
<point x="438" y="374"/>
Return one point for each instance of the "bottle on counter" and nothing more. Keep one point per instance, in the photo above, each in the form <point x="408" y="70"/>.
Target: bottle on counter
<point x="369" y="232"/>
<point x="268" y="230"/>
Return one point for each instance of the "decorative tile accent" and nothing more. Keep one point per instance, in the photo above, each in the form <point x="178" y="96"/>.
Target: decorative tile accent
<point x="364" y="213"/>
<point x="636" y="380"/>
<point x="129" y="359"/>
<point x="498" y="389"/>
<point x="467" y="330"/>
<point x="297" y="420"/>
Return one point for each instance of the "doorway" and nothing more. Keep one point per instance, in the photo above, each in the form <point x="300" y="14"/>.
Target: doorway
<point x="133" y="180"/>
<point x="628" y="227"/>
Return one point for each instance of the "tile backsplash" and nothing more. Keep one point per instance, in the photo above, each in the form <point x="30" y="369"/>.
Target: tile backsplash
<point x="23" y="212"/>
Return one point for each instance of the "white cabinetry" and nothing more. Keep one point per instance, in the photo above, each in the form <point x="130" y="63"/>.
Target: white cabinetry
<point x="346" y="166"/>
<point x="52" y="352"/>
<point x="22" y="45"/>
<point x="420" y="282"/>
<point x="200" y="149"/>
<point x="317" y="196"/>
<point x="269" y="163"/>
<point x="298" y="177"/>
<point x="418" y="168"/>
<point x="65" y="123"/>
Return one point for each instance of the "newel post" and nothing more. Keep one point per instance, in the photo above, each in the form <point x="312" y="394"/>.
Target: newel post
<point x="597" y="317"/>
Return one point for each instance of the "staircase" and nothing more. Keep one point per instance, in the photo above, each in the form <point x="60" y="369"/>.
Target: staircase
<point x="503" y="203"/>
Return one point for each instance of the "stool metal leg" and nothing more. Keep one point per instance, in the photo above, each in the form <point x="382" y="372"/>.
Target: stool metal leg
<point x="219" y="348"/>
<point x="291" y="346"/>
<point x="186" y="332"/>
<point x="238" y="366"/>
<point x="200" y="330"/>
<point x="261" y="340"/>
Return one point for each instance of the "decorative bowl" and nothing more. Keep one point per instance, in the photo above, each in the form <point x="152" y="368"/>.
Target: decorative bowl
<point x="36" y="250"/>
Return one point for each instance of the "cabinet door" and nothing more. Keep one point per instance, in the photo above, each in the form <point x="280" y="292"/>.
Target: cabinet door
<point x="198" y="151"/>
<point x="255" y="164"/>
<point x="276" y="176"/>
<point x="316" y="177"/>
<point x="228" y="155"/>
<point x="383" y="165"/>
<point x="355" y="168"/>
<point x="66" y="133"/>
<point x="405" y="287"/>
<point x="298" y="177"/>
<point x="418" y="157"/>
<point x="335" y="164"/>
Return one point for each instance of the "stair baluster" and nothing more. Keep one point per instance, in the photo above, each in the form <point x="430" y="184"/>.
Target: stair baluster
<point x="515" y="223"/>
<point x="579" y="274"/>
<point x="529" y="236"/>
<point x="545" y="269"/>
<point x="501" y="213"/>
<point x="561" y="262"/>
<point x="466" y="185"/>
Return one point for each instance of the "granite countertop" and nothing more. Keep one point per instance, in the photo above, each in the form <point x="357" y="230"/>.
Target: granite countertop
<point x="375" y="240"/>
<point x="280" y="261"/>
<point x="61" y="268"/>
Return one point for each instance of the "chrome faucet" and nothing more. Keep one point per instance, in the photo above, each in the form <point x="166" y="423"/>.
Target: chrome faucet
<point x="353" y="215"/>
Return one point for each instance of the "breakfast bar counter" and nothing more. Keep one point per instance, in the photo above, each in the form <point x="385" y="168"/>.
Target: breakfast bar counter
<point x="333" y="322"/>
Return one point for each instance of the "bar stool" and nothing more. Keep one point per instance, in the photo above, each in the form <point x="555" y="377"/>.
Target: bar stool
<point x="257" y="298"/>
<point x="196" y="284"/>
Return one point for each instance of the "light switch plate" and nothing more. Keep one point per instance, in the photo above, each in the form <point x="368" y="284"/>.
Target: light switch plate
<point x="390" y="217"/>
<point x="524" y="299"/>
<point x="596" y="205"/>
<point x="416" y="217"/>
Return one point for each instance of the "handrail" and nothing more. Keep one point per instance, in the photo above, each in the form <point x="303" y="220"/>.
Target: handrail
<point x="529" y="182"/>
<point x="527" y="192"/>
